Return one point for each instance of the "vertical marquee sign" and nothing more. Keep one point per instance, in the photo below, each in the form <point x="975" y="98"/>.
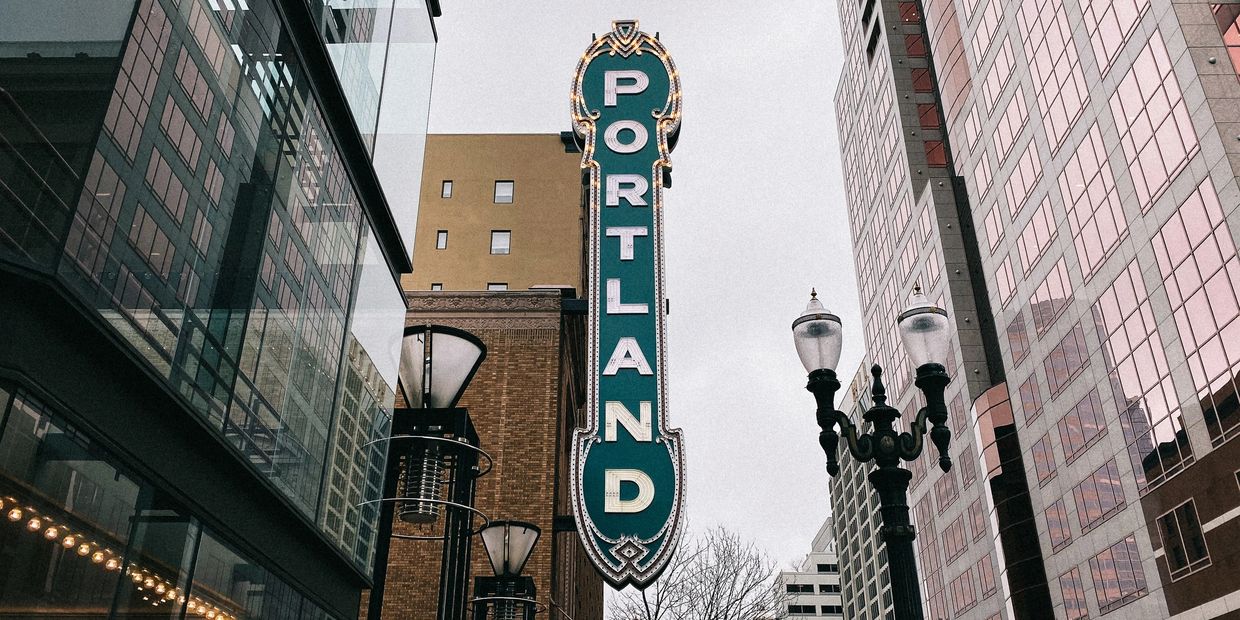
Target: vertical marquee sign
<point x="627" y="463"/>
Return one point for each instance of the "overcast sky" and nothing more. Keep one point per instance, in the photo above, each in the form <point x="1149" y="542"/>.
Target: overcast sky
<point x="756" y="217"/>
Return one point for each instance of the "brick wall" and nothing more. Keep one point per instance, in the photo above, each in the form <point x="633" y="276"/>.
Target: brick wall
<point x="524" y="403"/>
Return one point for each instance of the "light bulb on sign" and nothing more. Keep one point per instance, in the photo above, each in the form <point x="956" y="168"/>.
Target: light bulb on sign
<point x="160" y="589"/>
<point x="15" y="514"/>
<point x="69" y="542"/>
<point x="83" y="549"/>
<point x="51" y="533"/>
<point x="96" y="557"/>
<point x="112" y="564"/>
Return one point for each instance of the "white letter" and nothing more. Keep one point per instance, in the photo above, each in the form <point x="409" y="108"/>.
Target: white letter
<point x="612" y="137"/>
<point x="626" y="234"/>
<point x="611" y="87"/>
<point x="615" y="306"/>
<point x="632" y="194"/>
<point x="611" y="489"/>
<point x="615" y="411"/>
<point x="628" y="354"/>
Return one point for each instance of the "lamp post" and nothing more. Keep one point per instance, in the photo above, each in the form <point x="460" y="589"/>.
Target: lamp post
<point x="508" y="594"/>
<point x="925" y="330"/>
<point x="433" y="459"/>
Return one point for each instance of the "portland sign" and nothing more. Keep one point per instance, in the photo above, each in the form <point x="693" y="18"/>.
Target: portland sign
<point x="628" y="465"/>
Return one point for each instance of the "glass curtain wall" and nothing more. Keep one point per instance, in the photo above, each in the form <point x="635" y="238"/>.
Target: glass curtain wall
<point x="168" y="163"/>
<point x="82" y="537"/>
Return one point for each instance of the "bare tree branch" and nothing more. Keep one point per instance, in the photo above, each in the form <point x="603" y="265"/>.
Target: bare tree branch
<point x="714" y="576"/>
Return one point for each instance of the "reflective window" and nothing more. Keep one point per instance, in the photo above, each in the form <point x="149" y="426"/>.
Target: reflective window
<point x="1073" y="590"/>
<point x="986" y="574"/>
<point x="1006" y="280"/>
<point x="436" y="286"/>
<point x="964" y="594"/>
<point x="1054" y="65"/>
<point x="945" y="490"/>
<point x="954" y="542"/>
<point x="1081" y="426"/>
<point x="994" y="225"/>
<point x="1058" y="530"/>
<point x="1011" y="123"/>
<point x="1095" y="214"/>
<point x="1197" y="259"/>
<point x="1018" y="339"/>
<point x="1030" y="399"/>
<point x="1037" y="235"/>
<point x="446" y="190"/>
<point x="1109" y="23"/>
<point x="1066" y="360"/>
<point x="936" y="156"/>
<point x="503" y="192"/>
<point x="977" y="519"/>
<point x="1140" y="379"/>
<point x="1098" y="496"/>
<point x="985" y="30"/>
<point x="83" y="537"/>
<point x="1153" y="121"/>
<point x="1118" y="576"/>
<point x="922" y="82"/>
<point x="1184" y="544"/>
<point x="1043" y="459"/>
<point x="999" y="74"/>
<point x="1023" y="178"/>
<point x="497" y="286"/>
<point x="1053" y="295"/>
<point x="441" y="240"/>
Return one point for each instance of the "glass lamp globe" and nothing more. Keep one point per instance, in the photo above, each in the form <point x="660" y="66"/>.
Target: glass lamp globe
<point x="437" y="363"/>
<point x="818" y="337"/>
<point x="925" y="330"/>
<point x="509" y="545"/>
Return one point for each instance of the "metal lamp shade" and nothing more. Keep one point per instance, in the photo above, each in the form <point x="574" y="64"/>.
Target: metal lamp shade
<point x="925" y="331"/>
<point x="818" y="336"/>
<point x="509" y="545"/>
<point x="437" y="363"/>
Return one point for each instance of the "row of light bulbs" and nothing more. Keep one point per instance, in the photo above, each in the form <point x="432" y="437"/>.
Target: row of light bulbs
<point x="145" y="581"/>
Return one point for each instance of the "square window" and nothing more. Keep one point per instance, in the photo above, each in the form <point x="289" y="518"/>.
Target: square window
<point x="436" y="286"/>
<point x="501" y="241"/>
<point x="503" y="192"/>
<point x="1183" y="541"/>
<point x="446" y="191"/>
<point x="497" y="286"/>
<point x="441" y="240"/>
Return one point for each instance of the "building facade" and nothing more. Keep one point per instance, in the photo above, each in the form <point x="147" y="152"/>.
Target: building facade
<point x="865" y="582"/>
<point x="201" y="308"/>
<point x="814" y="590"/>
<point x="1072" y="163"/>
<point x="499" y="212"/>
<point x="525" y="400"/>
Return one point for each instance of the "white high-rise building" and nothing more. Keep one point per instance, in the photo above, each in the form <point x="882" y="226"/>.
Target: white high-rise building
<point x="813" y="591"/>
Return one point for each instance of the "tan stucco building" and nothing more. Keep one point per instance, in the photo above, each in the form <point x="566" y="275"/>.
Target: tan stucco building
<point x="498" y="211"/>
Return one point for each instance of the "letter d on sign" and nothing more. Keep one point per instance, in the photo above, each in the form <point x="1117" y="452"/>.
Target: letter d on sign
<point x="611" y="491"/>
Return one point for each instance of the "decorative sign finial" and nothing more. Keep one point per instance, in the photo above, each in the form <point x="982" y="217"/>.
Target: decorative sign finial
<point x="813" y="293"/>
<point x="916" y="288"/>
<point x="628" y="464"/>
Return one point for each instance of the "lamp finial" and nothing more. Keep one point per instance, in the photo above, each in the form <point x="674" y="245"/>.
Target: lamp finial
<point x="813" y="293"/>
<point x="917" y="288"/>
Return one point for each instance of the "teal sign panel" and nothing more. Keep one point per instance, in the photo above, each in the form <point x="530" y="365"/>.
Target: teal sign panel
<point x="628" y="465"/>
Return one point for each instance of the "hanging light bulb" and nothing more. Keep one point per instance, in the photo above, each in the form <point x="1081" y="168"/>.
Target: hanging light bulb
<point x="211" y="614"/>
<point x="161" y="588"/>
<point x="51" y="533"/>
<point x="83" y="549"/>
<point x="69" y="541"/>
<point x="34" y="524"/>
<point x="15" y="514"/>
<point x="150" y="583"/>
<point x="96" y="557"/>
<point x="112" y="564"/>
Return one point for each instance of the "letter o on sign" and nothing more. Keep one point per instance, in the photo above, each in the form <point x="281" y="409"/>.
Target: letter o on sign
<point x="612" y="137"/>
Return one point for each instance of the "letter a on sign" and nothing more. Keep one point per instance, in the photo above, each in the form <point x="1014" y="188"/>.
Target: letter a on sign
<point x="628" y="461"/>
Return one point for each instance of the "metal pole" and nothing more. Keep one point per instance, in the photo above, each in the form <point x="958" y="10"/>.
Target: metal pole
<point x="383" y="542"/>
<point x="892" y="486"/>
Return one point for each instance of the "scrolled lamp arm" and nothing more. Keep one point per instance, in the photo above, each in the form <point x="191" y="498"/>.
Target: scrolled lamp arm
<point x="824" y="384"/>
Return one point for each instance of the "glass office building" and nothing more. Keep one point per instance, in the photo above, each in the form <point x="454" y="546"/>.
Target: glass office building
<point x="1063" y="175"/>
<point x="201" y="314"/>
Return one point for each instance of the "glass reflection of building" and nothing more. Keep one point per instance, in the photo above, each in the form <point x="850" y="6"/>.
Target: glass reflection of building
<point x="202" y="316"/>
<point x="1071" y="164"/>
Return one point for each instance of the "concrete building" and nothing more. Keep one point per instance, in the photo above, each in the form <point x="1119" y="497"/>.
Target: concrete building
<point x="814" y="590"/>
<point x="1062" y="174"/>
<point x="201" y="308"/>
<point x="864" y="580"/>
<point x="499" y="212"/>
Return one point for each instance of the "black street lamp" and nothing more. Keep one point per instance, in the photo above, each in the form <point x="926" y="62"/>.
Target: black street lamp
<point x="926" y="332"/>
<point x="508" y="595"/>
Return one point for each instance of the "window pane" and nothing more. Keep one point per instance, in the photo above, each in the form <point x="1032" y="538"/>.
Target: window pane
<point x="497" y="286"/>
<point x="501" y="241"/>
<point x="447" y="189"/>
<point x="503" y="192"/>
<point x="441" y="240"/>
